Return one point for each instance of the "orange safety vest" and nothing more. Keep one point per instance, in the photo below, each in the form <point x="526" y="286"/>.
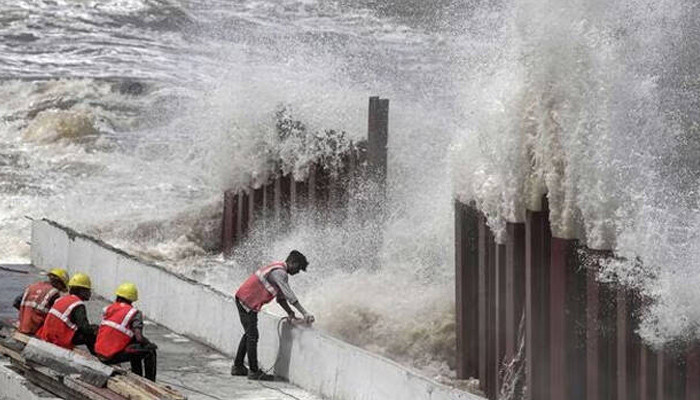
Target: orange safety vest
<point x="257" y="290"/>
<point x="35" y="306"/>
<point x="115" y="330"/>
<point x="58" y="328"/>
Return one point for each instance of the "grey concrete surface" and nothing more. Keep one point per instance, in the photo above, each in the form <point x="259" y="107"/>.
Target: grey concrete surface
<point x="196" y="370"/>
<point x="13" y="284"/>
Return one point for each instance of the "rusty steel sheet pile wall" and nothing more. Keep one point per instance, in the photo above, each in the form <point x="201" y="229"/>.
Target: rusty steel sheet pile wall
<point x="282" y="196"/>
<point x="579" y="334"/>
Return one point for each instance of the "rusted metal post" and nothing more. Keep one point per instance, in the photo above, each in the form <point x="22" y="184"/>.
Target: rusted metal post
<point x="491" y="334"/>
<point x="285" y="200"/>
<point x="484" y="263"/>
<point x="515" y="285"/>
<point x="607" y="341"/>
<point x="467" y="279"/>
<point x="659" y="375"/>
<point x="322" y="189"/>
<point x="592" y="334"/>
<point x="377" y="137"/>
<point x="674" y="374"/>
<point x="621" y="348"/>
<point x="311" y="186"/>
<point x="257" y="203"/>
<point x="634" y="345"/>
<point x="537" y="253"/>
<point x="277" y="202"/>
<point x="557" y="291"/>
<point x="500" y="314"/>
<point x="244" y="213"/>
<point x="649" y="374"/>
<point x="627" y="346"/>
<point x="647" y="364"/>
<point x="300" y="195"/>
<point x="269" y="199"/>
<point x="228" y="228"/>
<point x="567" y="321"/>
<point x="692" y="374"/>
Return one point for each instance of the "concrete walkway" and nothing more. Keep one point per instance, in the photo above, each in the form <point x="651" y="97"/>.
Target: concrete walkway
<point x="196" y="370"/>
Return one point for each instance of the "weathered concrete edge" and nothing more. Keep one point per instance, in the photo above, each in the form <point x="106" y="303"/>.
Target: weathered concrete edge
<point x="309" y="358"/>
<point x="14" y="386"/>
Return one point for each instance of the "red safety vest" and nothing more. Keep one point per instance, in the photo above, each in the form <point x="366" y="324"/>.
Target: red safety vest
<point x="58" y="328"/>
<point x="257" y="291"/>
<point x="115" y="330"/>
<point x="34" y="307"/>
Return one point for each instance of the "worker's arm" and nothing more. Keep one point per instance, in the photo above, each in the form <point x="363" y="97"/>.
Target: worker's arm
<point x="283" y="303"/>
<point x="80" y="319"/>
<point x="53" y="300"/>
<point x="307" y="316"/>
<point x="18" y="302"/>
<point x="137" y="328"/>
<point x="281" y="279"/>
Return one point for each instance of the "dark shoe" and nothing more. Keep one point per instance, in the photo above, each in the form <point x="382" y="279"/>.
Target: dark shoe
<point x="260" y="376"/>
<point x="239" y="370"/>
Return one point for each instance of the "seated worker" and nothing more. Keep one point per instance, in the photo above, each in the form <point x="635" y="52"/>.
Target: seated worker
<point x="259" y="289"/>
<point x="67" y="323"/>
<point x="37" y="300"/>
<point x="120" y="337"/>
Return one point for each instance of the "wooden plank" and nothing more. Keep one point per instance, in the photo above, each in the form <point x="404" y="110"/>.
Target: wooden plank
<point x="128" y="390"/>
<point x="89" y="391"/>
<point x="152" y="387"/>
<point x="11" y="352"/>
<point x="20" y="337"/>
<point x="48" y="382"/>
<point x="67" y="362"/>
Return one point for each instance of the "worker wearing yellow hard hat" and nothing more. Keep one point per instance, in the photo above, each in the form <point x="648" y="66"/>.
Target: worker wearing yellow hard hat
<point x="75" y="329"/>
<point x="38" y="298"/>
<point x="120" y="337"/>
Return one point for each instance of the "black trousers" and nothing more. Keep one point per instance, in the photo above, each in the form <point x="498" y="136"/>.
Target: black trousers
<point x="138" y="354"/>
<point x="249" y="342"/>
<point x="88" y="339"/>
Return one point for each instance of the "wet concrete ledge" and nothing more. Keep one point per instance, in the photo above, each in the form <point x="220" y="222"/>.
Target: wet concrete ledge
<point x="308" y="358"/>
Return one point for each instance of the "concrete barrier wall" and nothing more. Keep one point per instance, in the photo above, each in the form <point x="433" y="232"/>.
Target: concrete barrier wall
<point x="308" y="358"/>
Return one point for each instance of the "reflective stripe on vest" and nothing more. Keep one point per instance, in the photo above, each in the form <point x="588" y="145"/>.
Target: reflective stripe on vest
<point x="65" y="317"/>
<point x="262" y="274"/>
<point x="257" y="290"/>
<point x="35" y="306"/>
<point x="44" y="301"/>
<point x="115" y="332"/>
<point x="58" y="328"/>
<point x="123" y="326"/>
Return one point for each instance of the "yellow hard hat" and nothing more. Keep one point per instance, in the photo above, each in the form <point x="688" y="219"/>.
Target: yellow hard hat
<point x="61" y="274"/>
<point x="80" y="280"/>
<point x="127" y="290"/>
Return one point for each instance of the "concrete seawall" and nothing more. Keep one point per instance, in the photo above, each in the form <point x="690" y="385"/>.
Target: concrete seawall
<point x="308" y="358"/>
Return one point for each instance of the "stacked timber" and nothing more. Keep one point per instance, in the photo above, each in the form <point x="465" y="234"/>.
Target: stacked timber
<point x="76" y="375"/>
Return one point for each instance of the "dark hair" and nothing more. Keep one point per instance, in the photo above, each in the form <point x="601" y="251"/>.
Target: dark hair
<point x="298" y="258"/>
<point x="56" y="281"/>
